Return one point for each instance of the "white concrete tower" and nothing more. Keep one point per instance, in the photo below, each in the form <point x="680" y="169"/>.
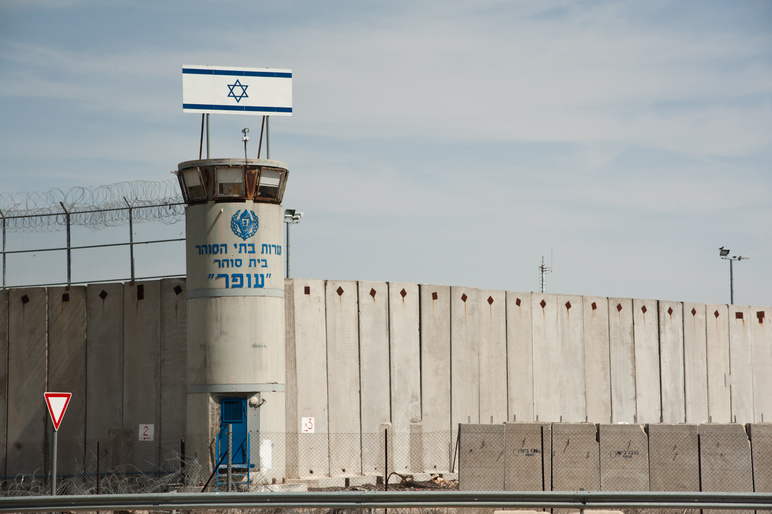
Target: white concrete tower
<point x="235" y="309"/>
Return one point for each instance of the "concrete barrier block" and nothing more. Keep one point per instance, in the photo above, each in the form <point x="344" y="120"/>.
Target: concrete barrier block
<point x="674" y="458"/>
<point x="624" y="458"/>
<point x="761" y="452"/>
<point x="481" y="458"/>
<point x="725" y="457"/>
<point x="525" y="456"/>
<point x="575" y="457"/>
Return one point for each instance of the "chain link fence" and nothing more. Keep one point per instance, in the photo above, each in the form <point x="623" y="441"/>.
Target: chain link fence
<point x="258" y="461"/>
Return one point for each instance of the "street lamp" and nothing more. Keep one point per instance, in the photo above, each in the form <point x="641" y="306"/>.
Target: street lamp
<point x="724" y="253"/>
<point x="291" y="217"/>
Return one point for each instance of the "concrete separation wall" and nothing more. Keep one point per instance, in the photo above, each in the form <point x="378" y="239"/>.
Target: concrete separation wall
<point x="367" y="358"/>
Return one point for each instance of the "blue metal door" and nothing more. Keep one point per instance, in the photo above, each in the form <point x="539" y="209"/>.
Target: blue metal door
<point x="233" y="411"/>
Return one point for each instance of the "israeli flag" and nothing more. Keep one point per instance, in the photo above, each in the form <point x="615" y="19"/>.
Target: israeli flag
<point x="227" y="90"/>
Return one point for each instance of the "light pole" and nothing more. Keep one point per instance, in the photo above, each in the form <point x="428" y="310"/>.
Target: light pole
<point x="291" y="217"/>
<point x="724" y="253"/>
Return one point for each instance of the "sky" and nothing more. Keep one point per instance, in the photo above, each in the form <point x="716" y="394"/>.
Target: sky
<point x="442" y="142"/>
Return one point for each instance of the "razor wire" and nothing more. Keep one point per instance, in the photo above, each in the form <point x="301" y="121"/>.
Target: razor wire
<point x="93" y="207"/>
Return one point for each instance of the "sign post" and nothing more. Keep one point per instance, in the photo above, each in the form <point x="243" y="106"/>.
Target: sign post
<point x="57" y="406"/>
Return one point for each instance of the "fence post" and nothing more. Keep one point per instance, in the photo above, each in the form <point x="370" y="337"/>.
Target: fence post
<point x="131" y="238"/>
<point x="69" y="256"/>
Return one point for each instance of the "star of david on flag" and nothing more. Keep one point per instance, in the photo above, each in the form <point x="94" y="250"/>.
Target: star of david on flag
<point x="243" y="91"/>
<point x="220" y="89"/>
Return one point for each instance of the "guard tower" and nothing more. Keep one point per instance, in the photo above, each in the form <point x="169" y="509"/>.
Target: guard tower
<point x="235" y="282"/>
<point x="235" y="309"/>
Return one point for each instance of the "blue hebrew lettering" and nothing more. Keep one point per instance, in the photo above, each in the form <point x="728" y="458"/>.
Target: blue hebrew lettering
<point x="242" y="247"/>
<point x="237" y="280"/>
<point x="266" y="249"/>
<point x="224" y="248"/>
<point x="252" y="263"/>
<point x="238" y="263"/>
<point x="264" y="262"/>
<point x="244" y="223"/>
<point x="252" y="247"/>
<point x="259" y="280"/>
<point x="225" y="276"/>
<point x="219" y="264"/>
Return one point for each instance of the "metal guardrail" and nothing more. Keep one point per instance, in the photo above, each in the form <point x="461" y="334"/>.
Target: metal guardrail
<point x="401" y="499"/>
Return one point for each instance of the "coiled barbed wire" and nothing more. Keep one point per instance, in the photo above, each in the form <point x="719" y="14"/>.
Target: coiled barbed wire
<point x="93" y="207"/>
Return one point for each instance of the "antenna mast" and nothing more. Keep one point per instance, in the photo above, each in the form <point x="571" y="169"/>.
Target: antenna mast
<point x="543" y="270"/>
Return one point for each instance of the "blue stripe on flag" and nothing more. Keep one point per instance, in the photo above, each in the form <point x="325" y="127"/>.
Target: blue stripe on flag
<point x="245" y="108"/>
<point x="236" y="73"/>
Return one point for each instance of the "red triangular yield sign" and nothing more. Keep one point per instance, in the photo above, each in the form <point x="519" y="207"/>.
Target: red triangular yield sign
<point x="57" y="405"/>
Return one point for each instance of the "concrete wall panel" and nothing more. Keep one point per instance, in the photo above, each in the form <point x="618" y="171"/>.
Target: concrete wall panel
<point x="597" y="371"/>
<point x="465" y="371"/>
<point x="520" y="356"/>
<point x="27" y="414"/>
<point x="525" y="457"/>
<point x="67" y="372"/>
<point x="717" y="340"/>
<point x="3" y="377"/>
<point x="493" y="356"/>
<point x="647" y="371"/>
<point x="373" y="375"/>
<point x="695" y="363"/>
<point x="173" y="370"/>
<point x="575" y="457"/>
<point x="725" y="458"/>
<point x="674" y="458"/>
<point x="624" y="458"/>
<point x="104" y="366"/>
<point x="571" y="377"/>
<point x="671" y="349"/>
<point x="546" y="357"/>
<point x="481" y="458"/>
<point x="435" y="377"/>
<point x="291" y="416"/>
<point x="405" y="359"/>
<point x="741" y="363"/>
<point x="343" y="377"/>
<point x="622" y="360"/>
<point x="761" y="340"/>
<point x="141" y="368"/>
<point x="311" y="368"/>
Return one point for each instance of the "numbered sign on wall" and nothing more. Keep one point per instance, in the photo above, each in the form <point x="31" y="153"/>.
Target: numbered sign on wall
<point x="146" y="432"/>
<point x="307" y="425"/>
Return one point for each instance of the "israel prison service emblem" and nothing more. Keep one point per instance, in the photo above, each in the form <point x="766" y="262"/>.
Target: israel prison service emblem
<point x="244" y="223"/>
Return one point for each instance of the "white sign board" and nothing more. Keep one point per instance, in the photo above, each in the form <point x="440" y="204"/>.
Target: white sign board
<point x="228" y="90"/>
<point x="307" y="425"/>
<point x="146" y="432"/>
